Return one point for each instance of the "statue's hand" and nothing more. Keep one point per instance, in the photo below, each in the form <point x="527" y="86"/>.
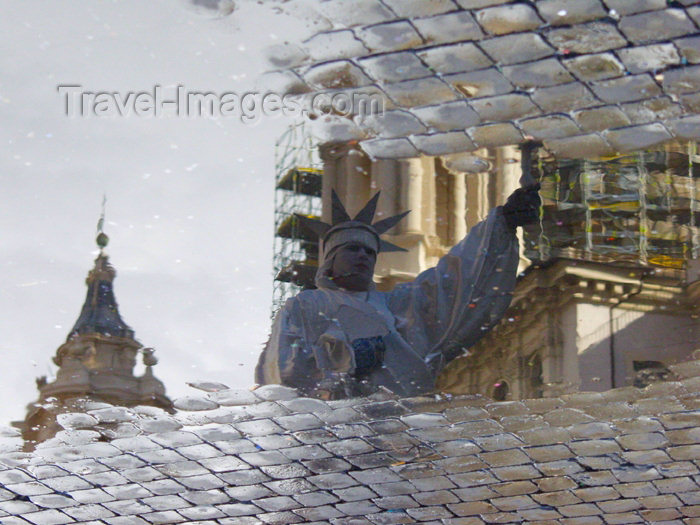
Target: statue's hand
<point x="369" y="354"/>
<point x="523" y="206"/>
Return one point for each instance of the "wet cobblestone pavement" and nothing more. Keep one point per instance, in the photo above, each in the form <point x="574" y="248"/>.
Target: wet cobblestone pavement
<point x="268" y="456"/>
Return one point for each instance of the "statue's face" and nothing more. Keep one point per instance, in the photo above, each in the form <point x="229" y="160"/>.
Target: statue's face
<point x="353" y="266"/>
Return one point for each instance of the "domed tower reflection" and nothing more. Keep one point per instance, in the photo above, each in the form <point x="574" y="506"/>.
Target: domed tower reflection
<point x="96" y="363"/>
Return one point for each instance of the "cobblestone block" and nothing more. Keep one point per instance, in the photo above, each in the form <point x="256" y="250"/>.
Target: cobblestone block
<point x="418" y="8"/>
<point x="505" y="458"/>
<point x="675" y="485"/>
<point x="374" y="460"/>
<point x="508" y="19"/>
<point x="248" y="493"/>
<point x="656" y="25"/>
<point x="516" y="473"/>
<point x="559" y="468"/>
<point x="478" y="4"/>
<point x="581" y="509"/>
<point x="570" y="12"/>
<point x="646" y="457"/>
<point x="549" y="127"/>
<point x="421" y="92"/>
<point x="355" y="493"/>
<point x="619" y="505"/>
<point x="431" y="514"/>
<point x="205" y="497"/>
<point x="396" y="502"/>
<point x="279" y="518"/>
<point x="336" y="75"/>
<point x="472" y="508"/>
<point x="244" y="477"/>
<point x="482" y="83"/>
<point x="545" y="436"/>
<point x="392" y="124"/>
<point x="594" y="430"/>
<point x="471" y="479"/>
<point x="541" y="73"/>
<point x="548" y="452"/>
<point x="437" y="497"/>
<point x="596" y="494"/>
<point x="455" y="58"/>
<point x="66" y="483"/>
<point x="323" y="512"/>
<point x="358" y="12"/>
<point x="514" y="488"/>
<point x="442" y="144"/>
<point x="492" y="135"/>
<point x="290" y="487"/>
<point x="637" y="137"/>
<point x="514" y="49"/>
<point x="264" y="458"/>
<point x="649" y="58"/>
<point x="525" y="422"/>
<point x="335" y="45"/>
<point x="612" y="409"/>
<point x="634" y="473"/>
<point x="357" y="508"/>
<point x="593" y="37"/>
<point x="623" y="7"/>
<point x="660" y="516"/>
<point x="566" y="417"/>
<point x="504" y="107"/>
<point x="557" y="498"/>
<point x="315" y="499"/>
<point x="500" y="441"/>
<point x="689" y="48"/>
<point x="394" y="67"/>
<point x="690" y="498"/>
<point x="600" y="462"/>
<point x="85" y="513"/>
<point x="660" y="502"/>
<point x="686" y="128"/>
<point x="693" y="10"/>
<point x="653" y="109"/>
<point x="296" y="422"/>
<point x="682" y="80"/>
<point x="540" y="515"/>
<point x="595" y="447"/>
<point x="452" y="27"/>
<point x="394" y="36"/>
<point x="623" y="518"/>
<point x="276" y="503"/>
<point x="593" y="479"/>
<point x="396" y="488"/>
<point x="626" y="89"/>
<point x="595" y="67"/>
<point x="511" y="503"/>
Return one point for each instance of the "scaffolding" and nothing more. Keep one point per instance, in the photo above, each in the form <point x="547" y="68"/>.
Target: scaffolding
<point x="298" y="179"/>
<point x="639" y="208"/>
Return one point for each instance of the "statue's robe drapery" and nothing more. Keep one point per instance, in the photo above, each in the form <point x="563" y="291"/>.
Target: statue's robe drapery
<point x="423" y="324"/>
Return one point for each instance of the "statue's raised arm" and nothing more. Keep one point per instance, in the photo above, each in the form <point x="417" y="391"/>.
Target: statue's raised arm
<point x="346" y="339"/>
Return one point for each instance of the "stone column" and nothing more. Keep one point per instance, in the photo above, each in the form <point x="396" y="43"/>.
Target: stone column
<point x="355" y="170"/>
<point x="411" y="173"/>
<point x="329" y="157"/>
<point x="508" y="172"/>
<point x="385" y="177"/>
<point x="428" y="211"/>
<point x="457" y="215"/>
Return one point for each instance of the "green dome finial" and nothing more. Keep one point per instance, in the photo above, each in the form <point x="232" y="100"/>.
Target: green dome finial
<point x="102" y="240"/>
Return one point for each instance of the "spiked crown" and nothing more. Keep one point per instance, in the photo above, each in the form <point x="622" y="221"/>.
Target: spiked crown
<point x="360" y="228"/>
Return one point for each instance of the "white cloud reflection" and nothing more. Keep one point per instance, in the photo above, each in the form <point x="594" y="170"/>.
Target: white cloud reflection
<point x="190" y="201"/>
